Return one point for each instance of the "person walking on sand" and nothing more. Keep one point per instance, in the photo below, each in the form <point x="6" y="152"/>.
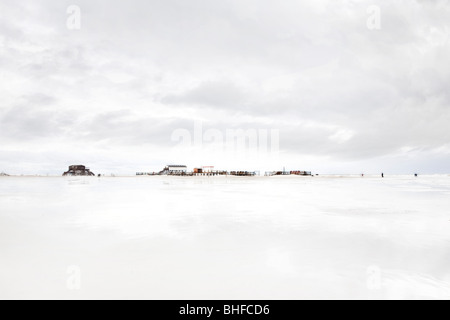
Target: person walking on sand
<point x="382" y="175"/>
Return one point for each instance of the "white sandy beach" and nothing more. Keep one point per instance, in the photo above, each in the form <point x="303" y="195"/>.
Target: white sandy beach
<point x="225" y="238"/>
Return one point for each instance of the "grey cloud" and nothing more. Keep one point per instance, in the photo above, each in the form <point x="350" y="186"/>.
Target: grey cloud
<point x="126" y="128"/>
<point x="27" y="123"/>
<point x="218" y="94"/>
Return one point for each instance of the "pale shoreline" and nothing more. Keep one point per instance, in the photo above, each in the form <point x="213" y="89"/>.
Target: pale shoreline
<point x="232" y="176"/>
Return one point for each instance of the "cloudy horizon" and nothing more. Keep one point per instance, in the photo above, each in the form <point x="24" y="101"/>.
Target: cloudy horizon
<point x="346" y="89"/>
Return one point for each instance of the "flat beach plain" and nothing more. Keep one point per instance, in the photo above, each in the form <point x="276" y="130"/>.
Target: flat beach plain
<point x="327" y="237"/>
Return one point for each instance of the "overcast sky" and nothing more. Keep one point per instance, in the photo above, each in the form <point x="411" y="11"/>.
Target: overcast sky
<point x="345" y="98"/>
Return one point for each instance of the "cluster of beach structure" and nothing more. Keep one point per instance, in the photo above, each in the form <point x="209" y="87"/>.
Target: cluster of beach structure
<point x="181" y="170"/>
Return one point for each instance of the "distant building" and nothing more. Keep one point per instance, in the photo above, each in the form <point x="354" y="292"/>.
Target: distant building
<point x="2" y="174"/>
<point x="78" y="170"/>
<point x="301" y="173"/>
<point x="243" y="173"/>
<point x="174" y="170"/>
<point x="208" y="171"/>
<point x="288" y="173"/>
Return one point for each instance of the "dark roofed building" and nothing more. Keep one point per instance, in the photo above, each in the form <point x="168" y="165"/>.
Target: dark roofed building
<point x="78" y="170"/>
<point x="174" y="170"/>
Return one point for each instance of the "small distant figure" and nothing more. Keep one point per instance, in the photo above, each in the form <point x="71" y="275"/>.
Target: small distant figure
<point x="416" y="175"/>
<point x="382" y="175"/>
<point x="362" y="175"/>
<point x="99" y="175"/>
